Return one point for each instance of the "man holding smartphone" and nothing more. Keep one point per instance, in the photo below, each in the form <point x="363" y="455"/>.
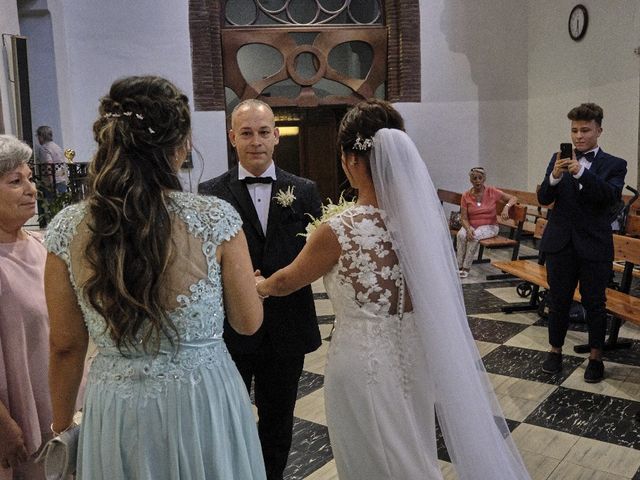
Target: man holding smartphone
<point x="583" y="185"/>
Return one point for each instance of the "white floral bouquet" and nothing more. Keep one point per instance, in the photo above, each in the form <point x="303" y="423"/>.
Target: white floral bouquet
<point x="329" y="210"/>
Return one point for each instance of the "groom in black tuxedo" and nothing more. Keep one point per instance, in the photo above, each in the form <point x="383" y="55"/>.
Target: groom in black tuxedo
<point x="578" y="239"/>
<point x="272" y="222"/>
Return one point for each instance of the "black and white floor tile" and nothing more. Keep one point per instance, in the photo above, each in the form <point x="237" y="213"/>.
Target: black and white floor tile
<point x="565" y="428"/>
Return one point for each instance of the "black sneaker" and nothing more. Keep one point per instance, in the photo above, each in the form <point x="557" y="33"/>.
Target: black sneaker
<point x="553" y="363"/>
<point x="594" y="372"/>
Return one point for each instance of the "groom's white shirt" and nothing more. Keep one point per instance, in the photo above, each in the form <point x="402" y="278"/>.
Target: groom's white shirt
<point x="260" y="193"/>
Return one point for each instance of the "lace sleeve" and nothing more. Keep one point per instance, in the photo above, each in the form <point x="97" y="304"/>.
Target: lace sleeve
<point x="227" y="221"/>
<point x="337" y="224"/>
<point x="208" y="218"/>
<point x="62" y="229"/>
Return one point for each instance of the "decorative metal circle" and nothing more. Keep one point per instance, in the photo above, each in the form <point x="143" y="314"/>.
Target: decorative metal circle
<point x="283" y="14"/>
<point x="291" y="65"/>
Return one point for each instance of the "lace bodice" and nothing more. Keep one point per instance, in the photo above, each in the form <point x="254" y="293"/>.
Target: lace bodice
<point x="366" y="287"/>
<point x="192" y="291"/>
<point x="368" y="266"/>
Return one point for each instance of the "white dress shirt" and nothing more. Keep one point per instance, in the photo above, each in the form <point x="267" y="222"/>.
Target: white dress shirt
<point x="260" y="193"/>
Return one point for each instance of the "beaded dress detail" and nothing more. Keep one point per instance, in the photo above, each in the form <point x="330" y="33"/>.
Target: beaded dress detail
<point x="185" y="412"/>
<point x="375" y="381"/>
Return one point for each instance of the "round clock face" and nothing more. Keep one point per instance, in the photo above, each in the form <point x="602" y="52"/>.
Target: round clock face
<point x="578" y="20"/>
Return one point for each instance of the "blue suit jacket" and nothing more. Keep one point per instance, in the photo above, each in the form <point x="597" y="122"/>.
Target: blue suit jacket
<point x="582" y="216"/>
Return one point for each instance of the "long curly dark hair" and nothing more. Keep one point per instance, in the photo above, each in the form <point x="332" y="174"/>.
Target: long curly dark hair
<point x="143" y="128"/>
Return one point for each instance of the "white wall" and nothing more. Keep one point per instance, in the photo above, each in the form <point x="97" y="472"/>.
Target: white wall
<point x="601" y="68"/>
<point x="474" y="91"/>
<point x="8" y="25"/>
<point x="35" y="24"/>
<point x="97" y="42"/>
<point x="498" y="77"/>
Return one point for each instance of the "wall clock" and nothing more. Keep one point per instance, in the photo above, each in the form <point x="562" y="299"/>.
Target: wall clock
<point x="578" y="22"/>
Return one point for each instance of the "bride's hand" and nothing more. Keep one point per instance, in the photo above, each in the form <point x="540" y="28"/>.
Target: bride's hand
<point x="259" y="279"/>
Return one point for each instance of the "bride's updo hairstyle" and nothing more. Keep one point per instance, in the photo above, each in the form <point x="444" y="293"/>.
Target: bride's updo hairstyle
<point x="143" y="129"/>
<point x="361" y="123"/>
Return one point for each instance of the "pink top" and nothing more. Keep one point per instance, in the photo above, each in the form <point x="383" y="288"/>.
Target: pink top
<point x="485" y="213"/>
<point x="24" y="339"/>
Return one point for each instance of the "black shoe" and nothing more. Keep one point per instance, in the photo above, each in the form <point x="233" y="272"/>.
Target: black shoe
<point x="553" y="363"/>
<point x="594" y="372"/>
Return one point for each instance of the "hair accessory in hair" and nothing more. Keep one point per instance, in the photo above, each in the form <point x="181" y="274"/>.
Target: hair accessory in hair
<point x="479" y="170"/>
<point x="362" y="144"/>
<point x="128" y="114"/>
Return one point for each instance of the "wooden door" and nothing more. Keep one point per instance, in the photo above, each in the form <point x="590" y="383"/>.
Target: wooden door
<point x="308" y="148"/>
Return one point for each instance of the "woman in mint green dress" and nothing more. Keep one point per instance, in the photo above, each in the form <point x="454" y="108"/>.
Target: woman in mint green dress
<point x="149" y="274"/>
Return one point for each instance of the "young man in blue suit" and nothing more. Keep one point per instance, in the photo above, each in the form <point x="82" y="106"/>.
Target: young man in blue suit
<point x="578" y="240"/>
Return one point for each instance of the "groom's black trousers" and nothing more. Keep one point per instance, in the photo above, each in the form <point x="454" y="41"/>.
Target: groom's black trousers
<point x="275" y="380"/>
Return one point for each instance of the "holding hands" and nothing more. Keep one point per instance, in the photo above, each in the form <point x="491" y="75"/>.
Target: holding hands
<point x="259" y="278"/>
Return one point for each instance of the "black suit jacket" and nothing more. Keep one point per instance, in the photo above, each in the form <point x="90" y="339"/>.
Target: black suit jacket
<point x="583" y="216"/>
<point x="290" y="326"/>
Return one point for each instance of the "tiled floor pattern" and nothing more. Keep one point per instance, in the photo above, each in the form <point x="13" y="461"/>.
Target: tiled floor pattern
<point x="565" y="428"/>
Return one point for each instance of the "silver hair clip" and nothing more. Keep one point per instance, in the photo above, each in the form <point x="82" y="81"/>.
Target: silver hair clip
<point x="127" y="114"/>
<point x="111" y="115"/>
<point x="362" y="144"/>
<point x="139" y="116"/>
<point x="151" y="130"/>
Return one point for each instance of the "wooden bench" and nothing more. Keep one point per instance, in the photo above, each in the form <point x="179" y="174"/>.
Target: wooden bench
<point x="451" y="198"/>
<point x="517" y="217"/>
<point x="632" y="229"/>
<point x="621" y="305"/>
<point x="535" y="209"/>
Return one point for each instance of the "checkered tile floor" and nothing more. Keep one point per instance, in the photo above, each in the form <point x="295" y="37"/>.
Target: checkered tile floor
<point x="565" y="428"/>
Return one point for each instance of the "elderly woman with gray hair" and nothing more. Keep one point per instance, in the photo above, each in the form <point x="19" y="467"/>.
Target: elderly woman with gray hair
<point x="479" y="217"/>
<point x="25" y="408"/>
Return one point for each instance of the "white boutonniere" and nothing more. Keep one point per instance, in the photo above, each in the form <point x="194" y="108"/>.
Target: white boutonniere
<point x="285" y="198"/>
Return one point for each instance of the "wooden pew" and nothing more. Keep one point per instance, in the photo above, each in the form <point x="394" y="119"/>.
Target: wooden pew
<point x="535" y="209"/>
<point x="532" y="288"/>
<point x="451" y="198"/>
<point x="621" y="305"/>
<point x="517" y="217"/>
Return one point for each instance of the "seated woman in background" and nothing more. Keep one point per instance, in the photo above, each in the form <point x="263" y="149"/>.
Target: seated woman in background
<point x="479" y="217"/>
<point x="25" y="410"/>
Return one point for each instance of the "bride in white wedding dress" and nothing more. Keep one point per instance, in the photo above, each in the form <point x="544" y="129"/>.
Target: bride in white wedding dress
<point x="402" y="350"/>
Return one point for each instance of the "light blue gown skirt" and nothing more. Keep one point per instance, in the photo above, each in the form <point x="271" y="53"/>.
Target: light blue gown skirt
<point x="186" y="417"/>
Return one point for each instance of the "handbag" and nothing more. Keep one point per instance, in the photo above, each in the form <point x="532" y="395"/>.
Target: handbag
<point x="455" y="221"/>
<point x="60" y="454"/>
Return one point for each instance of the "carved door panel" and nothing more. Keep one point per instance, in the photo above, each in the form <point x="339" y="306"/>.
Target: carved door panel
<point x="308" y="148"/>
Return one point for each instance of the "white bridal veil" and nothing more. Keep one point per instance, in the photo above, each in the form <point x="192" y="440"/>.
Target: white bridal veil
<point x="471" y="420"/>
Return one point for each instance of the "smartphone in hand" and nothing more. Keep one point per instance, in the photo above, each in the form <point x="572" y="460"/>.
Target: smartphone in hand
<point x="566" y="150"/>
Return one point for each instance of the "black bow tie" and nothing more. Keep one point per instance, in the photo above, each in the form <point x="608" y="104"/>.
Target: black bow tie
<point x="589" y="156"/>
<point x="251" y="180"/>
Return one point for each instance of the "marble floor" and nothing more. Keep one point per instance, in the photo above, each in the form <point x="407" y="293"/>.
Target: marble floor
<point x="565" y="428"/>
